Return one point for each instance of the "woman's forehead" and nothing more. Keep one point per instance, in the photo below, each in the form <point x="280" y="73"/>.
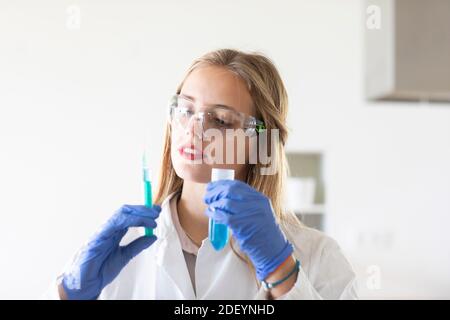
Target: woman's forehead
<point x="213" y="85"/>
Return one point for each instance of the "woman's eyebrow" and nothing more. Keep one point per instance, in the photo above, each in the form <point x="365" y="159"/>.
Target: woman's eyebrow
<point x="188" y="97"/>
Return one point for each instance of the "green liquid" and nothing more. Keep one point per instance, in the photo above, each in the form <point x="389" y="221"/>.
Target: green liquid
<point x="148" y="202"/>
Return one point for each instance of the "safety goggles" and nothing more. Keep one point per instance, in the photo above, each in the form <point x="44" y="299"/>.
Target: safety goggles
<point x="182" y="112"/>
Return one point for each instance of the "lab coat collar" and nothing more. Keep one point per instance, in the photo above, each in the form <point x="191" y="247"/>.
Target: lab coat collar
<point x="165" y="228"/>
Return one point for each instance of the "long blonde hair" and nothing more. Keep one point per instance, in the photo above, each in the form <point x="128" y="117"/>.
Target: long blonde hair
<point x="270" y="98"/>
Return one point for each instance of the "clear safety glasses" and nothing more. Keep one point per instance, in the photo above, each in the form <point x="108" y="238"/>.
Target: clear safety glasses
<point x="182" y="111"/>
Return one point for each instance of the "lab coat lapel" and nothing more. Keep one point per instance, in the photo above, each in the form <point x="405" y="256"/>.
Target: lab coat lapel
<point x="169" y="256"/>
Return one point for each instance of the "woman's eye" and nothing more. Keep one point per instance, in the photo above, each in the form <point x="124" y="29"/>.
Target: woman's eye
<point x="222" y="122"/>
<point x="185" y="107"/>
<point x="185" y="111"/>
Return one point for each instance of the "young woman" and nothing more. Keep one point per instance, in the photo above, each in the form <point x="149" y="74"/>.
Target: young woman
<point x="270" y="255"/>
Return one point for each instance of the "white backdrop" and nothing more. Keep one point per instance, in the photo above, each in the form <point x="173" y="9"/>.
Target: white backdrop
<point x="78" y="98"/>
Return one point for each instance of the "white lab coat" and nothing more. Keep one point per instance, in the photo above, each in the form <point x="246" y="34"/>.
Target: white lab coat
<point x="160" y="272"/>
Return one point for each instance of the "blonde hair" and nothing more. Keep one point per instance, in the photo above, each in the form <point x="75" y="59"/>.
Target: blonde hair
<point x="270" y="98"/>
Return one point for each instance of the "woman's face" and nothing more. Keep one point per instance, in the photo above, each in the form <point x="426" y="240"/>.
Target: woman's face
<point x="206" y="87"/>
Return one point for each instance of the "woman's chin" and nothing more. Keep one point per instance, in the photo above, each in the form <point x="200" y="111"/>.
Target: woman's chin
<point x="199" y="173"/>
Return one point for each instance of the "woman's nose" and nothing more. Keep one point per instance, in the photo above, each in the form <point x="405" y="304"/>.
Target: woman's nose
<point x="195" y="126"/>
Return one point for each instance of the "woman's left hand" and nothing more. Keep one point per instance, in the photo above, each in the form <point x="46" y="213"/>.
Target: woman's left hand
<point x="249" y="215"/>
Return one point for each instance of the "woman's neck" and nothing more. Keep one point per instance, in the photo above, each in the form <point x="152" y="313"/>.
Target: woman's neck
<point x="191" y="210"/>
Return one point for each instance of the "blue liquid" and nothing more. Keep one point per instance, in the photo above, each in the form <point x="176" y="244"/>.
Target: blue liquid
<point x="218" y="234"/>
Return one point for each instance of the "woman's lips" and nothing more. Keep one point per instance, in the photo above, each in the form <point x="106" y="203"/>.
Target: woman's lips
<point x="190" y="152"/>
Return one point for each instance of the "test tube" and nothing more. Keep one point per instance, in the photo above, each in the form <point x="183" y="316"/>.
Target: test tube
<point x="147" y="189"/>
<point x="218" y="232"/>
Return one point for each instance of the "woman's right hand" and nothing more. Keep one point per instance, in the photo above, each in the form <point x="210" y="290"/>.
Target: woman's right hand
<point x="102" y="258"/>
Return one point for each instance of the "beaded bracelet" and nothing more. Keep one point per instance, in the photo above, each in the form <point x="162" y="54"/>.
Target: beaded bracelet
<point x="267" y="286"/>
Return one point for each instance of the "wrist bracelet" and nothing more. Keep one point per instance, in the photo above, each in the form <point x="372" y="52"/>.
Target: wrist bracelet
<point x="267" y="286"/>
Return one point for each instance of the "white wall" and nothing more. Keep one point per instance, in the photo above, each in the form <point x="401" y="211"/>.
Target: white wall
<point x="76" y="106"/>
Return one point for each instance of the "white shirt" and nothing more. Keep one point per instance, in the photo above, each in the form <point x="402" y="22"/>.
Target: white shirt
<point x="161" y="272"/>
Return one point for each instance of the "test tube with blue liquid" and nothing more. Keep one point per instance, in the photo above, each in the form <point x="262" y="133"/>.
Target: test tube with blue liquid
<point x="218" y="232"/>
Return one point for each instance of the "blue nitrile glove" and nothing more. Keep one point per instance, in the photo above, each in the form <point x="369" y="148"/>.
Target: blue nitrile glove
<point x="102" y="259"/>
<point x="249" y="215"/>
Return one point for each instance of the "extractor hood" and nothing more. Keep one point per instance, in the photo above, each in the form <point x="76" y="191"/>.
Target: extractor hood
<point x="408" y="52"/>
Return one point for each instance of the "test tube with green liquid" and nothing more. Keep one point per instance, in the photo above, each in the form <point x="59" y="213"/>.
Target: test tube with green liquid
<point x="147" y="189"/>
